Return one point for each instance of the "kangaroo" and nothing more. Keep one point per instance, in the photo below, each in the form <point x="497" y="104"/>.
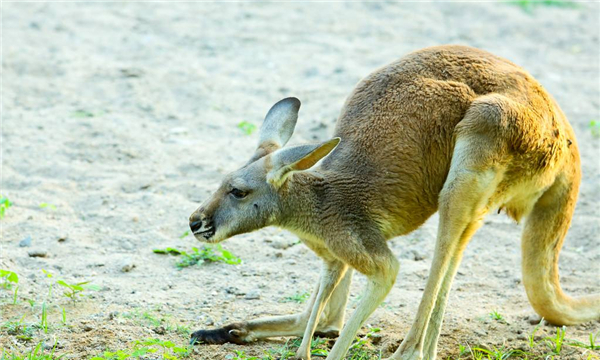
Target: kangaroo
<point x="449" y="128"/>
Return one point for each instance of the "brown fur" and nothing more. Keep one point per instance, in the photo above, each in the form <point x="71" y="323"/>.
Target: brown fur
<point x="448" y="128"/>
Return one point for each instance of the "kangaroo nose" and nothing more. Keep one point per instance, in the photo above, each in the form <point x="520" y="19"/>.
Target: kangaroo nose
<point x="195" y="222"/>
<point x="195" y="225"/>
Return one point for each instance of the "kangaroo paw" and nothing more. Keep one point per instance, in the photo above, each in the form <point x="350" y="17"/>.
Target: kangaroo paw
<point x="233" y="333"/>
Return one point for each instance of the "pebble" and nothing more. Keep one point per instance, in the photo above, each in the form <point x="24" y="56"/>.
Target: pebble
<point x="234" y="291"/>
<point x="126" y="265"/>
<point x="127" y="245"/>
<point x="63" y="238"/>
<point x="37" y="253"/>
<point x="87" y="328"/>
<point x="534" y="319"/>
<point x="26" y="242"/>
<point x="281" y="245"/>
<point x="480" y="332"/>
<point x="252" y="295"/>
<point x="376" y="338"/>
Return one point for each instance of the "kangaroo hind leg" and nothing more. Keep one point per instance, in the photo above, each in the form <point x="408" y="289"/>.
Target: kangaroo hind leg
<point x="472" y="183"/>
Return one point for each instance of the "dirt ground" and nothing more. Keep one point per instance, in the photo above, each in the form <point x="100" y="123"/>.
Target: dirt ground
<point x="119" y="118"/>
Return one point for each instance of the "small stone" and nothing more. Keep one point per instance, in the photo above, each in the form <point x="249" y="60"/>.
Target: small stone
<point x="127" y="245"/>
<point x="178" y="130"/>
<point x="26" y="242"/>
<point x="376" y="338"/>
<point x="281" y="245"/>
<point x="278" y="254"/>
<point x="37" y="253"/>
<point x="63" y="238"/>
<point x="87" y="328"/>
<point x="132" y="72"/>
<point x="234" y="291"/>
<point x="480" y="332"/>
<point x="209" y="322"/>
<point x="252" y="295"/>
<point x="159" y="330"/>
<point x="534" y="319"/>
<point x="126" y="265"/>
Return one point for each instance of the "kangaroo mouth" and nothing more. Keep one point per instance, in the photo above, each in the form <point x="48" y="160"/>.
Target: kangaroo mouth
<point x="205" y="233"/>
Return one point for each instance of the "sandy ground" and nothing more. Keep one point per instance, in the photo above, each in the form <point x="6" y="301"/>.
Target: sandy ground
<point x="122" y="117"/>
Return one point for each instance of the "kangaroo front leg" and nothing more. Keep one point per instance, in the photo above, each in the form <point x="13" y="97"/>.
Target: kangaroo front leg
<point x="381" y="277"/>
<point x="332" y="320"/>
<point x="286" y="325"/>
<point x="437" y="316"/>
<point x="332" y="273"/>
<point x="249" y="331"/>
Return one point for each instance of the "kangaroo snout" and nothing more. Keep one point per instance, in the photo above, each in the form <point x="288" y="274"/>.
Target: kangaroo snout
<point x="201" y="226"/>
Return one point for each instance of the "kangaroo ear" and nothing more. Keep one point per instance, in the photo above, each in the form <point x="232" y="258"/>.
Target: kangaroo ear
<point x="298" y="158"/>
<point x="277" y="128"/>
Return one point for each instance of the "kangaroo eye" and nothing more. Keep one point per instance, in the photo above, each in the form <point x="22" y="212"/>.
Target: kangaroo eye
<point x="237" y="193"/>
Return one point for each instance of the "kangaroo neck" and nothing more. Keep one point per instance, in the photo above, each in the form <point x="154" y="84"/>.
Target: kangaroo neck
<point x="302" y="196"/>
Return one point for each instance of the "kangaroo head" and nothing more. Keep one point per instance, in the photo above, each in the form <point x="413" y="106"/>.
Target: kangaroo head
<point x="250" y="198"/>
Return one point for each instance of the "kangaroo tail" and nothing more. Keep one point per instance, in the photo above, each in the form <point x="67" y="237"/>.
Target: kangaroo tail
<point x="543" y="237"/>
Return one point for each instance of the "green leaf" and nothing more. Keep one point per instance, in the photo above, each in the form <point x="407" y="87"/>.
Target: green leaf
<point x="168" y="250"/>
<point x="82" y="114"/>
<point x="48" y="274"/>
<point x="10" y="276"/>
<point x="46" y="205"/>
<point x="62" y="283"/>
<point x="92" y="287"/>
<point x="246" y="127"/>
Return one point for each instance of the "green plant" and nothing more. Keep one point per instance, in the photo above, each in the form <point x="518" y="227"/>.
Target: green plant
<point x="497" y="354"/>
<point x="64" y="316"/>
<point x="595" y="128"/>
<point x="591" y="346"/>
<point x="82" y="114"/>
<point x="72" y="290"/>
<point x="48" y="276"/>
<point x="15" y="295"/>
<point x="206" y="253"/>
<point x="246" y="127"/>
<point x="36" y="353"/>
<point x="44" y="318"/>
<point x="184" y="234"/>
<point x="170" y="350"/>
<point x="462" y="350"/>
<point x="46" y="205"/>
<point x="556" y="343"/>
<point x="4" y="204"/>
<point x="169" y="250"/>
<point x="361" y="349"/>
<point x="495" y="315"/>
<point x="531" y="337"/>
<point x="10" y="278"/>
<point x="141" y="348"/>
<point x="529" y="5"/>
<point x="298" y="297"/>
<point x="18" y="329"/>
